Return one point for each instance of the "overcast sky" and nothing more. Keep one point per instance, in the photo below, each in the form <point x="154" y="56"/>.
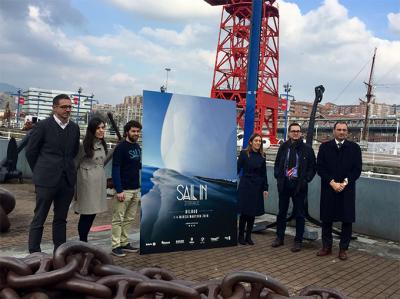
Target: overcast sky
<point x="114" y="48"/>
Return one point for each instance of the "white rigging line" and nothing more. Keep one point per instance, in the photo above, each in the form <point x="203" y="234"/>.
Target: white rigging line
<point x="351" y="81"/>
<point x="387" y="73"/>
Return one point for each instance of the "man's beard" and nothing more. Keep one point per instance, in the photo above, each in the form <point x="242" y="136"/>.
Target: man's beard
<point x="132" y="139"/>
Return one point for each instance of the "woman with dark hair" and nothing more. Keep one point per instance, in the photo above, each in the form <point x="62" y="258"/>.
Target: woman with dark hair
<point x="91" y="180"/>
<point x="253" y="186"/>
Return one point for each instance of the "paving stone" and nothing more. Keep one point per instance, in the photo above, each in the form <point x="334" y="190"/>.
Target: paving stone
<point x="363" y="275"/>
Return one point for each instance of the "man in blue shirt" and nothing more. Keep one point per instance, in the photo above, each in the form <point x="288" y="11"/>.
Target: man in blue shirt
<point x="126" y="167"/>
<point x="294" y="168"/>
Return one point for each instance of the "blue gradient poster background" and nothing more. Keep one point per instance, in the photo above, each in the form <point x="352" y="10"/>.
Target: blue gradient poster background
<point x="189" y="173"/>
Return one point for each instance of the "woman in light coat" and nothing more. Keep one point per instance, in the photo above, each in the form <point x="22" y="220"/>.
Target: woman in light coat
<point x="91" y="195"/>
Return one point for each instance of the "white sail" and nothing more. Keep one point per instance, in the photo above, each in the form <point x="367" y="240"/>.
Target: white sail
<point x="197" y="140"/>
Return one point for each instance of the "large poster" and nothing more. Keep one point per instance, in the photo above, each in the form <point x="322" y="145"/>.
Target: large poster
<point x="189" y="173"/>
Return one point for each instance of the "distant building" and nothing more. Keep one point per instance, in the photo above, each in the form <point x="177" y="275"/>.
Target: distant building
<point x="103" y="107"/>
<point x="131" y="108"/>
<point x="102" y="110"/>
<point x="395" y="110"/>
<point x="39" y="103"/>
<point x="301" y="109"/>
<point x="378" y="110"/>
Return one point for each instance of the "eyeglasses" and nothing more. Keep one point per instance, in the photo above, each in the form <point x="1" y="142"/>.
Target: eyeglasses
<point x="65" y="107"/>
<point x="295" y="131"/>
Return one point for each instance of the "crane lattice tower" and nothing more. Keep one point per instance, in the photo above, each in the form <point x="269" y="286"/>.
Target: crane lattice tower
<point x="230" y="70"/>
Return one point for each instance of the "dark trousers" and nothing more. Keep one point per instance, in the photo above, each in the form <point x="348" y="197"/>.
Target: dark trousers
<point x="61" y="197"/>
<point x="84" y="225"/>
<point x="289" y="191"/>
<point x="246" y="223"/>
<point x="345" y="235"/>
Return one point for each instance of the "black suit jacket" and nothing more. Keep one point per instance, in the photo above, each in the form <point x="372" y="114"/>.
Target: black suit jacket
<point x="51" y="151"/>
<point x="306" y="170"/>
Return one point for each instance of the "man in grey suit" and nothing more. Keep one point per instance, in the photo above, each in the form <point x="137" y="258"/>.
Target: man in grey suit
<point x="50" y="152"/>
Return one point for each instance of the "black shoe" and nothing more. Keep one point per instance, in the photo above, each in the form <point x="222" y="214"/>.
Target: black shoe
<point x="296" y="247"/>
<point x="277" y="242"/>
<point x="129" y="248"/>
<point x="249" y="241"/>
<point x="241" y="240"/>
<point x="118" y="252"/>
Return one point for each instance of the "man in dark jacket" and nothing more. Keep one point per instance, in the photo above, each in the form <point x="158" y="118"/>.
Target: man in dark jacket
<point x="126" y="166"/>
<point x="50" y="152"/>
<point x="339" y="165"/>
<point x="294" y="168"/>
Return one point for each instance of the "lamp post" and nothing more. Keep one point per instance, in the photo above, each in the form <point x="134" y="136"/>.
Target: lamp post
<point x="17" y="116"/>
<point x="166" y="82"/>
<point x="37" y="109"/>
<point x="91" y="102"/>
<point x="91" y="107"/>
<point x="397" y="133"/>
<point x="20" y="101"/>
<point x="79" y="103"/>
<point x="287" y="88"/>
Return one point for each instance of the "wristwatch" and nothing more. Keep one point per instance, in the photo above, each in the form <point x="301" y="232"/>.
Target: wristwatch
<point x="345" y="181"/>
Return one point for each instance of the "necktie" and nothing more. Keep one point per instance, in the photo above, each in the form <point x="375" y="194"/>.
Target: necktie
<point x="339" y="145"/>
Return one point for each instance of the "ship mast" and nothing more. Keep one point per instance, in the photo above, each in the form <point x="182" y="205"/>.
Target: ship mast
<point x="369" y="97"/>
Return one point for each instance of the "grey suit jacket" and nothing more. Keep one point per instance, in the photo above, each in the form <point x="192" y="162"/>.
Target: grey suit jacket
<point x="50" y="153"/>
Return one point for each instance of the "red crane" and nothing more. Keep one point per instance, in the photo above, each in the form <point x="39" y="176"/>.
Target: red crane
<point x="230" y="71"/>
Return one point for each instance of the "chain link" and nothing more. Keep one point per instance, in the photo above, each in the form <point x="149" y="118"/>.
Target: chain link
<point x="81" y="270"/>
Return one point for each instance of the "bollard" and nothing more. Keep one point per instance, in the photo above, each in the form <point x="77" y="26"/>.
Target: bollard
<point x="7" y="204"/>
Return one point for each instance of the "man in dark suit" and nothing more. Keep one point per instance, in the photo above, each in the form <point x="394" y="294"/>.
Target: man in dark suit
<point x="50" y="152"/>
<point x="294" y="168"/>
<point x="339" y="165"/>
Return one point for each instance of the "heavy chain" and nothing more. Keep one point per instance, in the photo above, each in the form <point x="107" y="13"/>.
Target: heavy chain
<point x="80" y="270"/>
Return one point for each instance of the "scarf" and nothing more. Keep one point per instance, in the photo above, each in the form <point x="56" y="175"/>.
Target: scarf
<point x="293" y="147"/>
